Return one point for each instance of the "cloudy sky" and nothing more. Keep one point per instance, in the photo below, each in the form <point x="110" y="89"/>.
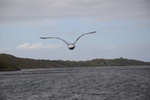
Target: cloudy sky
<point x="123" y="28"/>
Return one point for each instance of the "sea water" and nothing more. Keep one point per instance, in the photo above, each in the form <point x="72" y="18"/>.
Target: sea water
<point x="92" y="83"/>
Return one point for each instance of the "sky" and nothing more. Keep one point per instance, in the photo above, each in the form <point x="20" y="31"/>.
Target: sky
<point x="123" y="29"/>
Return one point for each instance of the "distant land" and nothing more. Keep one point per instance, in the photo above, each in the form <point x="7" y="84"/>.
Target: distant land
<point x="11" y="63"/>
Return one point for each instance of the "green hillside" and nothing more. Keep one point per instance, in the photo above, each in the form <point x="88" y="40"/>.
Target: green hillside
<point x="9" y="62"/>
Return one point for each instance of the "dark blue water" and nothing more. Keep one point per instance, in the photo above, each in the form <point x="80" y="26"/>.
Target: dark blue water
<point x="98" y="83"/>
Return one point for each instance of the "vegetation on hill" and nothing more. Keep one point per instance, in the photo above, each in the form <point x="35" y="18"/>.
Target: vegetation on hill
<point x="5" y="66"/>
<point x="9" y="62"/>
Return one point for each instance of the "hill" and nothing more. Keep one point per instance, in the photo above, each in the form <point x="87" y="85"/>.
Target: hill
<point x="10" y="62"/>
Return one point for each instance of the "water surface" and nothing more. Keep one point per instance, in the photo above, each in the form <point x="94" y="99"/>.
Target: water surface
<point x="98" y="83"/>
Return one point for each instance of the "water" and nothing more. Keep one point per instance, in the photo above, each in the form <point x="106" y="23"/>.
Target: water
<point x="98" y="83"/>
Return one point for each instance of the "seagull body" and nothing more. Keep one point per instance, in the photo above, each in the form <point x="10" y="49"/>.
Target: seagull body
<point x="71" y="46"/>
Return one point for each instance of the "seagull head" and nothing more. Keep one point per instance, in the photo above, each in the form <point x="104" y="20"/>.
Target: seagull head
<point x="71" y="46"/>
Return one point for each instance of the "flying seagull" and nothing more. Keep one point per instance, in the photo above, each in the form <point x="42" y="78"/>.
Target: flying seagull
<point x="71" y="46"/>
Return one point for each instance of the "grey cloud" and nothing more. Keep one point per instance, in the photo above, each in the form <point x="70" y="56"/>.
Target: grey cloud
<point x="101" y="9"/>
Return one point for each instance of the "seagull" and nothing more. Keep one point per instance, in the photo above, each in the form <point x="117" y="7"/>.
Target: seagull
<point x="71" y="46"/>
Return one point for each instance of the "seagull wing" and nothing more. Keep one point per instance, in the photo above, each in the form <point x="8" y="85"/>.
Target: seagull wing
<point x="54" y="38"/>
<point x="83" y="35"/>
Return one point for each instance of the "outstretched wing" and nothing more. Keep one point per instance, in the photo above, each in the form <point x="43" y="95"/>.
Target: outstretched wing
<point x="83" y="35"/>
<point x="54" y="38"/>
